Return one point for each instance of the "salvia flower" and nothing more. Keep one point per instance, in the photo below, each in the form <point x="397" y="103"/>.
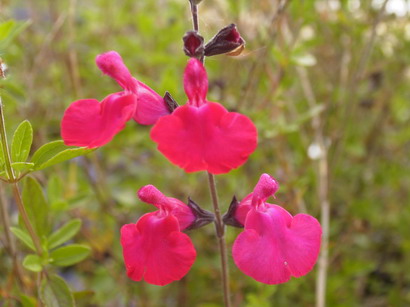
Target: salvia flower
<point x="90" y="123"/>
<point x="203" y="135"/>
<point x="155" y="248"/>
<point x="274" y="245"/>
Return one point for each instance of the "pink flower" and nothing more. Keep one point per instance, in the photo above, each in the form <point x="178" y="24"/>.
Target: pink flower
<point x="154" y="248"/>
<point x="274" y="245"/>
<point x="203" y="135"/>
<point x="90" y="123"/>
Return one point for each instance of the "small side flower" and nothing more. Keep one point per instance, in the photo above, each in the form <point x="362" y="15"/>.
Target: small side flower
<point x="274" y="244"/>
<point x="155" y="248"/>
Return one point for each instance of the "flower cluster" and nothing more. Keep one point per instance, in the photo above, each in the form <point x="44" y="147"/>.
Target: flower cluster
<point x="198" y="136"/>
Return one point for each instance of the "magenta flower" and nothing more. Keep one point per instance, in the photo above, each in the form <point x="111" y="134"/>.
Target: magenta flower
<point x="90" y="123"/>
<point x="154" y="248"/>
<point x="274" y="245"/>
<point x="203" y="135"/>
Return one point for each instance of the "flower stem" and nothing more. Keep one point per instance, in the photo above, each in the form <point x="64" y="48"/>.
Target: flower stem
<point x="13" y="181"/>
<point x="11" y="244"/>
<point x="219" y="225"/>
<point x="194" y="12"/>
<point x="220" y="233"/>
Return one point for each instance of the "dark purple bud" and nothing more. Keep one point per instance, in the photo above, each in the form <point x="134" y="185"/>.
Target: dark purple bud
<point x="229" y="217"/>
<point x="226" y="41"/>
<point x="202" y="217"/>
<point x="193" y="44"/>
<point x="170" y="102"/>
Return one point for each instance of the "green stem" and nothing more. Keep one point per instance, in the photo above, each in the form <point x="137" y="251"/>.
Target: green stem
<point x="220" y="234"/>
<point x="6" y="152"/>
<point x="13" y="181"/>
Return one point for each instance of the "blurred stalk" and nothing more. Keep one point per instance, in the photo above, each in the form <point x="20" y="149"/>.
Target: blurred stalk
<point x="72" y="54"/>
<point x="323" y="187"/>
<point x="322" y="177"/>
<point x="349" y="109"/>
<point x="11" y="244"/>
<point x="260" y="61"/>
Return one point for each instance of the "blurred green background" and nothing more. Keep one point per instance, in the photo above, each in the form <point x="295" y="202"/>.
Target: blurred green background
<point x="327" y="84"/>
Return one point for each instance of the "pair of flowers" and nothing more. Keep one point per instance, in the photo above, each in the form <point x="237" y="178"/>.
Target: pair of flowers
<point x="273" y="247"/>
<point x="201" y="135"/>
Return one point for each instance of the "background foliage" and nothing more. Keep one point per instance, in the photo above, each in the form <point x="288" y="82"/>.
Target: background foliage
<point x="337" y="72"/>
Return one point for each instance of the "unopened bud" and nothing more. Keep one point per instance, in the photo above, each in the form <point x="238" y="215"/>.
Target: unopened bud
<point x="229" y="217"/>
<point x="226" y="41"/>
<point x="202" y="217"/>
<point x="193" y="44"/>
<point x="170" y="102"/>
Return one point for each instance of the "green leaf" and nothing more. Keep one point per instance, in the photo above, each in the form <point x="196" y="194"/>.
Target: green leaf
<point x="27" y="301"/>
<point x="1" y="154"/>
<point x="69" y="255"/>
<point x="33" y="263"/>
<point x="55" y="189"/>
<point x="21" y="143"/>
<point x="23" y="237"/>
<point x="55" y="292"/>
<point x="22" y="166"/>
<point x="56" y="152"/>
<point x="36" y="206"/>
<point x="65" y="233"/>
<point x="8" y="30"/>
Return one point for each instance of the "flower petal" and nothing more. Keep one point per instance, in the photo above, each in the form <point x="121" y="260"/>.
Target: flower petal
<point x="205" y="138"/>
<point x="89" y="123"/>
<point x="265" y="188"/>
<point x="151" y="106"/>
<point x="275" y="246"/>
<point x="177" y="208"/>
<point x="112" y="64"/>
<point x="155" y="250"/>
<point x="195" y="82"/>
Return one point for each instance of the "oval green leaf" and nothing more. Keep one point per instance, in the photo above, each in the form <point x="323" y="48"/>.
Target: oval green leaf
<point x="69" y="255"/>
<point x="21" y="143"/>
<point x="65" y="233"/>
<point x="33" y="263"/>
<point x="56" y="152"/>
<point x="36" y="206"/>
<point x="55" y="292"/>
<point x="22" y="166"/>
<point x="23" y="237"/>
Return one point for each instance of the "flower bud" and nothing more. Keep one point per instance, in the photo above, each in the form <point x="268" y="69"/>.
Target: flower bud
<point x="202" y="217"/>
<point x="193" y="44"/>
<point x="170" y="102"/>
<point x="226" y="41"/>
<point x="229" y="217"/>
